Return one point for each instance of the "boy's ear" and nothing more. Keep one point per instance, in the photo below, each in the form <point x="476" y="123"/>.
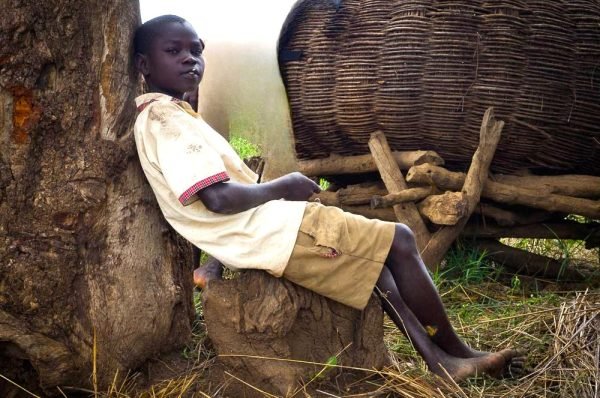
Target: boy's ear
<point x="141" y="64"/>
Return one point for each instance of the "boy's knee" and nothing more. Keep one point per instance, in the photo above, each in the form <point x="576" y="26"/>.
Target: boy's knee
<point x="404" y="240"/>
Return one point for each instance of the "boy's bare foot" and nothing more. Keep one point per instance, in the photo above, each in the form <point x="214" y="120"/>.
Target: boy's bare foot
<point x="213" y="269"/>
<point x="506" y="363"/>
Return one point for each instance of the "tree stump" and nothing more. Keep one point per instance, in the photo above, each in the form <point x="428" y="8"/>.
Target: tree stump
<point x="262" y="326"/>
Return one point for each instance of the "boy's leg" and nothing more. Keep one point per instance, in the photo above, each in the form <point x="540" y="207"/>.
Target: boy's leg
<point x="438" y="361"/>
<point x="421" y="296"/>
<point x="213" y="269"/>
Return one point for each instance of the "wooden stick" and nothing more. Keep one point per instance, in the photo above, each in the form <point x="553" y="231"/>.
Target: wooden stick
<point x="580" y="186"/>
<point x="352" y="195"/>
<point x="589" y="232"/>
<point x="489" y="136"/>
<point x="359" y="194"/>
<point x="393" y="179"/>
<point x="502" y="193"/>
<point x="522" y="261"/>
<point x="408" y="195"/>
<point x="336" y="164"/>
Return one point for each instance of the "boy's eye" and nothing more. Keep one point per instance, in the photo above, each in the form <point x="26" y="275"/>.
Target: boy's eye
<point x="197" y="52"/>
<point x="173" y="51"/>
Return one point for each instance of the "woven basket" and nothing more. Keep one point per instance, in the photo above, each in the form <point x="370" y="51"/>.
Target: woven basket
<point x="424" y="72"/>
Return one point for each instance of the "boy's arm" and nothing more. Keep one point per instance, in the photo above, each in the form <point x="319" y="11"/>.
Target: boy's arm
<point x="232" y="197"/>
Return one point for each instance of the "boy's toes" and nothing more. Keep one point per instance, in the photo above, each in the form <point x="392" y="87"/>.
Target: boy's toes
<point x="515" y="369"/>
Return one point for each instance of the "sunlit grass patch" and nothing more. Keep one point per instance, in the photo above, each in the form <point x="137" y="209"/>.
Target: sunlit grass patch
<point x="244" y="148"/>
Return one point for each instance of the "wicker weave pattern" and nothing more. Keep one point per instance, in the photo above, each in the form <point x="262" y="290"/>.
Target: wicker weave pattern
<point x="425" y="71"/>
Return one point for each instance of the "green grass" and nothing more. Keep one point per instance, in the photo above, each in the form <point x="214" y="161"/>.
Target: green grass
<point x="465" y="265"/>
<point x="324" y="184"/>
<point x="244" y="148"/>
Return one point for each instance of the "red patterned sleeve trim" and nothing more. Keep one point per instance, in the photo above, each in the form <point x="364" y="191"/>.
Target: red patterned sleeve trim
<point x="207" y="182"/>
<point x="144" y="105"/>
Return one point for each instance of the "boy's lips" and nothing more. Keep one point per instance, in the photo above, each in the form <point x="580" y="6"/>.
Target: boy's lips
<point x="192" y="72"/>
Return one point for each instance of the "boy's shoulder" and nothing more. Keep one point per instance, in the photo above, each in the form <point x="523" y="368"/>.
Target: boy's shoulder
<point x="145" y="100"/>
<point x="162" y="105"/>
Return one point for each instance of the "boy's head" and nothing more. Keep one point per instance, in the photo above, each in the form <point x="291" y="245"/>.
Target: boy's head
<point x="168" y="53"/>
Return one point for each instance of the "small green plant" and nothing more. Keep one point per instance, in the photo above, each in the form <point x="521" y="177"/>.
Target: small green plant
<point x="324" y="184"/>
<point x="331" y="362"/>
<point x="465" y="265"/>
<point x="244" y="148"/>
<point x="515" y="284"/>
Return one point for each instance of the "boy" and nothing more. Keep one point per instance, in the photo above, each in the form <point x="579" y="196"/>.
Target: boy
<point x="211" y="198"/>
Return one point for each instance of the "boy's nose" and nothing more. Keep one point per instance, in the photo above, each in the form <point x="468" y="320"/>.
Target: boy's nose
<point x="190" y="58"/>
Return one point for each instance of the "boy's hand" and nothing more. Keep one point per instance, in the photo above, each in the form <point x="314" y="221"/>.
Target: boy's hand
<point x="300" y="187"/>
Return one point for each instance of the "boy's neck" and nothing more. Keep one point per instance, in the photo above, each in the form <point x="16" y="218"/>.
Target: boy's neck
<point x="154" y="89"/>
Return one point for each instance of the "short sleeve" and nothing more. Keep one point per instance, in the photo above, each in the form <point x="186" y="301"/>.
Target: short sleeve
<point x="187" y="162"/>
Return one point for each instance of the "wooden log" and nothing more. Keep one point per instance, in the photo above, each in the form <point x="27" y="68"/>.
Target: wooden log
<point x="507" y="218"/>
<point x="588" y="232"/>
<point x="407" y="195"/>
<point x="489" y="136"/>
<point x="351" y="196"/>
<point x="393" y="179"/>
<point x="336" y="164"/>
<point x="509" y="194"/>
<point x="580" y="186"/>
<point x="360" y="194"/>
<point x="522" y="261"/>
<point x="445" y="209"/>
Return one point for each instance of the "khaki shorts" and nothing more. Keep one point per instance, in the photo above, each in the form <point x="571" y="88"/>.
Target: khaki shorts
<point x="339" y="255"/>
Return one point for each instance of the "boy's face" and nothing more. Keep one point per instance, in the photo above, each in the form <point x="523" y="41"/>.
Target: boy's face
<point x="173" y="64"/>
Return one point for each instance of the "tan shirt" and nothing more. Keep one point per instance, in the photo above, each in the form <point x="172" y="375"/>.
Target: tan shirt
<point x="180" y="155"/>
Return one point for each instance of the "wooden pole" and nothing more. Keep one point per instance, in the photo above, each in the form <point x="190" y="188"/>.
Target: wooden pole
<point x="589" y="232"/>
<point x="393" y="179"/>
<point x="580" y="186"/>
<point x="489" y="136"/>
<point x="336" y="164"/>
<point x="509" y="194"/>
<point x="507" y="218"/>
<point x="522" y="261"/>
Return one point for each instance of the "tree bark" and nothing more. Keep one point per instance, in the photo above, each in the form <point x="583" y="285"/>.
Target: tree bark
<point x="84" y="249"/>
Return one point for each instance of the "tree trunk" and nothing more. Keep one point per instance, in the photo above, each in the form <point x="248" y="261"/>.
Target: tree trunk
<point x="85" y="254"/>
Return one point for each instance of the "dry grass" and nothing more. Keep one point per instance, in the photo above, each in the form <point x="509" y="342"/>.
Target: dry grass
<point x="559" y="332"/>
<point x="561" y="339"/>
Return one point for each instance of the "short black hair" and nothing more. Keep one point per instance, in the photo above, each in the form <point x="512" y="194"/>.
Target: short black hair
<point x="146" y="32"/>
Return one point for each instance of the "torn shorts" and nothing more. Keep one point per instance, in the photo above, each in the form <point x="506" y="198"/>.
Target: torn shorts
<point x="339" y="255"/>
